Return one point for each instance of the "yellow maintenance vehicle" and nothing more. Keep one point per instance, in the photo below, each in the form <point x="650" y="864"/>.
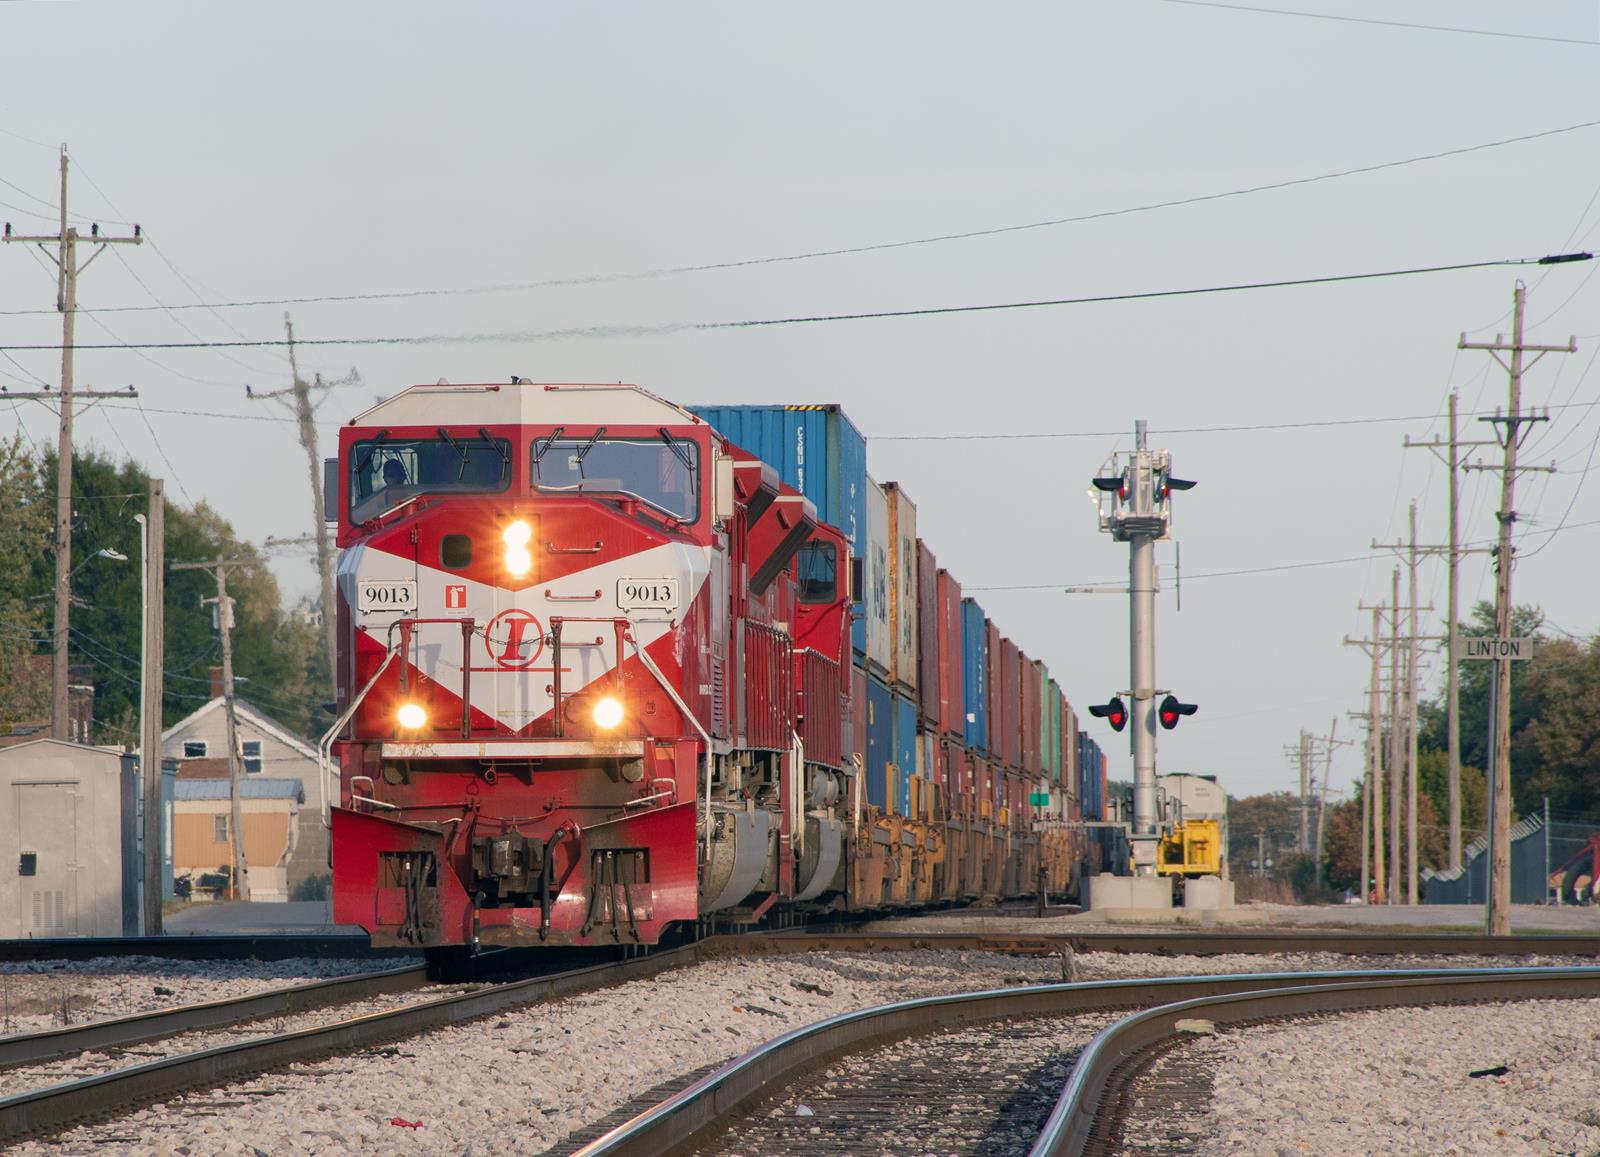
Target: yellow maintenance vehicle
<point x="1194" y="839"/>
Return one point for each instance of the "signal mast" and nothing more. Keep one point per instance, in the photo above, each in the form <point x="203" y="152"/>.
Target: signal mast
<point x="1135" y="508"/>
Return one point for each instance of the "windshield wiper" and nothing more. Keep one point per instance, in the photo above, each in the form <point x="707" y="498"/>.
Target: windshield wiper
<point x="377" y="439"/>
<point x="461" y="452"/>
<point x="589" y="445"/>
<point x="503" y="450"/>
<point x="672" y="444"/>
<point x="548" y="442"/>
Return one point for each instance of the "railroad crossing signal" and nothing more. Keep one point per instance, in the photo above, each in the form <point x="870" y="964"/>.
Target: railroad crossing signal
<point x="1114" y="712"/>
<point x="1171" y="711"/>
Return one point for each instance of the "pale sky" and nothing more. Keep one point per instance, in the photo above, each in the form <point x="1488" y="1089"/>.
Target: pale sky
<point x="308" y="150"/>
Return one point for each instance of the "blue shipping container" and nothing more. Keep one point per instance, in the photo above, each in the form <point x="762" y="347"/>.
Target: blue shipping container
<point x="974" y="675"/>
<point x="880" y="743"/>
<point x="816" y="450"/>
<point x="905" y="749"/>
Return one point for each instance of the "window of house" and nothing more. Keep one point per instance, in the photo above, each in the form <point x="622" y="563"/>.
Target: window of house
<point x="194" y="749"/>
<point x="219" y="829"/>
<point x="251" y="750"/>
<point x="28" y="865"/>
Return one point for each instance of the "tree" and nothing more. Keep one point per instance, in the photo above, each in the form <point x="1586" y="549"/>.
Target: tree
<point x="278" y="662"/>
<point x="25" y="531"/>
<point x="1274" y="816"/>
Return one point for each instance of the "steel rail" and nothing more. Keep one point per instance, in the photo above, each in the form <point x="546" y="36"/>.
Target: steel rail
<point x="1094" y="1098"/>
<point x="331" y="946"/>
<point x="51" y="1108"/>
<point x="119" y="1032"/>
<point x="692" y="1114"/>
<point x="1194" y="943"/>
<point x="1166" y="943"/>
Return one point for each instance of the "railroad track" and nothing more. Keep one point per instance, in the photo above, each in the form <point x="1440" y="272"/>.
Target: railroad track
<point x="49" y="1109"/>
<point x="870" y="1075"/>
<point x="1167" y="943"/>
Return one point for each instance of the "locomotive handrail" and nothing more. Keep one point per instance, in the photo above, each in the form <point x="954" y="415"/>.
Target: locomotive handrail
<point x="552" y="548"/>
<point x="325" y="744"/>
<point x="694" y="721"/>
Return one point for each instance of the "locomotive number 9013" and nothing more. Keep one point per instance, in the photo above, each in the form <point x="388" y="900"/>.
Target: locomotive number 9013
<point x="659" y="594"/>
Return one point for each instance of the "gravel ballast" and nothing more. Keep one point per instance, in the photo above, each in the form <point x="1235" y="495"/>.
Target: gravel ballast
<point x="523" y="1081"/>
<point x="1398" y="1081"/>
<point x="45" y="994"/>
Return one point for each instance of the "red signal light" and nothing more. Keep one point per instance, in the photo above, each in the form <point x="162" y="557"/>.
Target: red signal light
<point x="1114" y="713"/>
<point x="1171" y="711"/>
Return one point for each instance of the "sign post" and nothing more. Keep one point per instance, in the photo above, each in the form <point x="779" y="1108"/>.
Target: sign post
<point x="1495" y="648"/>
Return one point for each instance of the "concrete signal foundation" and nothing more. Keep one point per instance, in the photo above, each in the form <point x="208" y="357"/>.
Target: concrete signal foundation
<point x="1208" y="892"/>
<point x="1143" y="892"/>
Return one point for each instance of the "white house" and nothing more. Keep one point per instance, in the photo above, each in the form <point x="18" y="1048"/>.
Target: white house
<point x="268" y="750"/>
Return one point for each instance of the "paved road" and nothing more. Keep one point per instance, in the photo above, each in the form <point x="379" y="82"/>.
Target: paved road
<point x="254" y="919"/>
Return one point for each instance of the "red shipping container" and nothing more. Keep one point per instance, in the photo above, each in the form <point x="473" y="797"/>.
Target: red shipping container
<point x="1010" y="704"/>
<point x="952" y="690"/>
<point x="930" y="643"/>
<point x="1032" y="705"/>
<point x="954" y="760"/>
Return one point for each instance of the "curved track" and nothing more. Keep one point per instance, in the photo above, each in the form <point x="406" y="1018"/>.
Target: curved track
<point x="881" y="1100"/>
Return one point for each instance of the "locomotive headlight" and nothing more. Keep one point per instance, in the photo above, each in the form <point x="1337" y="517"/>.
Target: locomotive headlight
<point x="519" y="559"/>
<point x="411" y="716"/>
<point x="607" y="713"/>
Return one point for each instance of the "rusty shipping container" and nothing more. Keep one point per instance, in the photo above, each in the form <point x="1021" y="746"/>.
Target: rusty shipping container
<point x="929" y="644"/>
<point x="952" y="709"/>
<point x="1030" y="700"/>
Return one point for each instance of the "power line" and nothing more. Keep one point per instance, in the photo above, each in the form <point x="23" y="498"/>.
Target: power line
<point x="1384" y="23"/>
<point x="844" y="251"/>
<point x="610" y="331"/>
<point x="1183" y="429"/>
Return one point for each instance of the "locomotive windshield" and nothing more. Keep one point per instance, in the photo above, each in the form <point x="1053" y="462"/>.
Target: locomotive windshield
<point x="384" y="473"/>
<point x="818" y="568"/>
<point x="660" y="472"/>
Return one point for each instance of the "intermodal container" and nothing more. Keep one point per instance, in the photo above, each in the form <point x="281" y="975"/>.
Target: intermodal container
<point x="1011" y="707"/>
<point x="902" y="588"/>
<point x="929" y="644"/>
<point x="857" y="741"/>
<point x="992" y="662"/>
<point x="875" y="572"/>
<point x="975" y="675"/>
<point x="815" y="449"/>
<point x="952" y="676"/>
<point x="882" y="791"/>
<point x="1032" y="715"/>
<point x="1052" y="731"/>
<point x="905" y="750"/>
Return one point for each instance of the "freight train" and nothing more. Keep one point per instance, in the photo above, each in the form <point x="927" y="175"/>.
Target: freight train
<point x="609" y="667"/>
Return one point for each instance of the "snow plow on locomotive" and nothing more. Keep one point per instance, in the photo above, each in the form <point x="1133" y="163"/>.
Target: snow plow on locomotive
<point x="604" y="672"/>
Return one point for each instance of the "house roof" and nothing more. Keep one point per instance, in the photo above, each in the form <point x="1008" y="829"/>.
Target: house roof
<point x="249" y="714"/>
<point x="253" y="788"/>
<point x="15" y="749"/>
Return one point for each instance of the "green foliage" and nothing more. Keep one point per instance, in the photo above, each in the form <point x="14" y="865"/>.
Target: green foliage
<point x="1555" y="726"/>
<point x="313" y="888"/>
<point x="25" y="522"/>
<point x="279" y="663"/>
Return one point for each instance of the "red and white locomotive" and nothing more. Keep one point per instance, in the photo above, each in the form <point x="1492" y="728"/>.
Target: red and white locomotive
<point x="595" y="681"/>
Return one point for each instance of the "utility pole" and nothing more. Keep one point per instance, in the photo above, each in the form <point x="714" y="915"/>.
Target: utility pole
<point x="219" y="568"/>
<point x="1394" y="742"/>
<point x="1411" y="722"/>
<point x="1372" y="792"/>
<point x="1303" y="844"/>
<point x="153" y="655"/>
<point x="1511" y="428"/>
<point x="304" y="411"/>
<point x="67" y="269"/>
<point x="1332" y="742"/>
<point x="1452" y="552"/>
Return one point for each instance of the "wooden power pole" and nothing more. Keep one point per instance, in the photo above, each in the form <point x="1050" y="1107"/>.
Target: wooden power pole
<point x="1511" y="428"/>
<point x="65" y="257"/>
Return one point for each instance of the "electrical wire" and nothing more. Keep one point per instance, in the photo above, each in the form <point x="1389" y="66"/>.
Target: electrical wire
<point x="611" y="331"/>
<point x="811" y="255"/>
<point x="1384" y="23"/>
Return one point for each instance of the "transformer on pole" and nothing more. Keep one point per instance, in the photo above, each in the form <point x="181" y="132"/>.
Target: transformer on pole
<point x="1135" y="508"/>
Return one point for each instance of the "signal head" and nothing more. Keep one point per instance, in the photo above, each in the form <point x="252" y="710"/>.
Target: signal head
<point x="1115" y="712"/>
<point x="1171" y="711"/>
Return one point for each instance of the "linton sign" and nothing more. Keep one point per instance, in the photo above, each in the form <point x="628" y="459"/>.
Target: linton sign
<point x="1494" y="647"/>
